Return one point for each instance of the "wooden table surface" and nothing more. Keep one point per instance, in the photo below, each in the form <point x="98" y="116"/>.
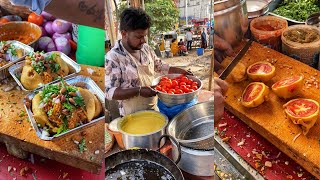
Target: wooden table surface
<point x="17" y="133"/>
<point x="269" y="118"/>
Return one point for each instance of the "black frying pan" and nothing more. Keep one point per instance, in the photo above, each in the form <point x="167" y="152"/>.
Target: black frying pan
<point x="142" y="164"/>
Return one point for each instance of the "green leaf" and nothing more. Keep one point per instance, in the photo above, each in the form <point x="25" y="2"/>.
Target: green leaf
<point x="50" y="112"/>
<point x="79" y="101"/>
<point x="22" y="114"/>
<point x="68" y="106"/>
<point x="82" y="145"/>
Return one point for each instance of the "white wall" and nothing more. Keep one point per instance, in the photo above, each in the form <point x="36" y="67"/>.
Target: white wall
<point x="196" y="8"/>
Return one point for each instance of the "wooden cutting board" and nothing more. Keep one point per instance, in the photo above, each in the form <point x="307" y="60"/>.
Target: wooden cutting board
<point x="269" y="119"/>
<point x="20" y="138"/>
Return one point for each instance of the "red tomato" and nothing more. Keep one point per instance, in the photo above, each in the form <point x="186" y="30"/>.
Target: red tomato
<point x="183" y="83"/>
<point x="174" y="83"/>
<point x="4" y="20"/>
<point x="36" y="19"/>
<point x="164" y="79"/>
<point x="302" y="107"/>
<point x="252" y="91"/>
<point x="188" y="86"/>
<point x="184" y="79"/>
<point x="73" y="45"/>
<point x="183" y="87"/>
<point x="158" y="87"/>
<point x="194" y="87"/>
<point x="195" y="84"/>
<point x="191" y="90"/>
<point x="171" y="91"/>
<point x="179" y="91"/>
<point x="190" y="81"/>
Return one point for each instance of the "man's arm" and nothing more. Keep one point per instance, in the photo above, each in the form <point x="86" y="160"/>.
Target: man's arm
<point x="113" y="81"/>
<point x="84" y="12"/>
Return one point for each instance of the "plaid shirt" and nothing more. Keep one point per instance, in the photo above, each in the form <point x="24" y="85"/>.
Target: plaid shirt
<point x="121" y="70"/>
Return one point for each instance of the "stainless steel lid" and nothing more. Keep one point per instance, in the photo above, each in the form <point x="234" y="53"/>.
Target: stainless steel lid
<point x="257" y="8"/>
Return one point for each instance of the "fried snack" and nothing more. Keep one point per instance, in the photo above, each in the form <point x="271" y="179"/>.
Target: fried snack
<point x="61" y="107"/>
<point x="238" y="74"/>
<point x="42" y="69"/>
<point x="30" y="78"/>
<point x="89" y="103"/>
<point x="98" y="107"/>
<point x="9" y="52"/>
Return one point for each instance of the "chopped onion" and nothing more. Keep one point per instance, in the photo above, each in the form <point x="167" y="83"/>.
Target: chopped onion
<point x="56" y="100"/>
<point x="296" y="137"/>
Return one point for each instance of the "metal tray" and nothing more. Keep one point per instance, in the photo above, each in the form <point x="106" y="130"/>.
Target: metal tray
<point x="288" y="19"/>
<point x="4" y="73"/>
<point x="79" y="81"/>
<point x="16" y="69"/>
<point x="229" y="162"/>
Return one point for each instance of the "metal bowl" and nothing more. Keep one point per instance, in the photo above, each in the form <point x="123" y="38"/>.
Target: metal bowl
<point x="231" y="20"/>
<point x="13" y="18"/>
<point x="25" y="32"/>
<point x="175" y="99"/>
<point x="314" y="20"/>
<point x="193" y="127"/>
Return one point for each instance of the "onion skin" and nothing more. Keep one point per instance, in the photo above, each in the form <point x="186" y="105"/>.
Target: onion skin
<point x="47" y="16"/>
<point x="63" y="45"/>
<point x="66" y="35"/>
<point x="48" y="27"/>
<point x="61" y="26"/>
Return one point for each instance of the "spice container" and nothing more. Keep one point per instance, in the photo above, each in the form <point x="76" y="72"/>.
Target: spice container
<point x="113" y="129"/>
<point x="267" y="30"/>
<point x="302" y="42"/>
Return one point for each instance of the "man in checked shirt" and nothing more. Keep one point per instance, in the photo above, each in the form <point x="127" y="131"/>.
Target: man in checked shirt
<point x="131" y="65"/>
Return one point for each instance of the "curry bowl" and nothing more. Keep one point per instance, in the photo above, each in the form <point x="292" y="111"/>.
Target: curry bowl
<point x="24" y="32"/>
<point x="143" y="129"/>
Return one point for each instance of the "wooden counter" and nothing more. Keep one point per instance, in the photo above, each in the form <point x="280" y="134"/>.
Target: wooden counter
<point x="269" y="118"/>
<point x="18" y="135"/>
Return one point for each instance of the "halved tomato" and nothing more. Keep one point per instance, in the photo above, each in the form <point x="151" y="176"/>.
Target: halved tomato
<point x="255" y="94"/>
<point x="288" y="87"/>
<point x="261" y="71"/>
<point x="304" y="112"/>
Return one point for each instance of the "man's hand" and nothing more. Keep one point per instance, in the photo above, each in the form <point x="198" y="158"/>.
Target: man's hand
<point x="176" y="70"/>
<point x="220" y="88"/>
<point x="221" y="49"/>
<point x="147" y="92"/>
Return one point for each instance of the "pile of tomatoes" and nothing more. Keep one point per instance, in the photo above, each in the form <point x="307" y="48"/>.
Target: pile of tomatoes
<point x="178" y="85"/>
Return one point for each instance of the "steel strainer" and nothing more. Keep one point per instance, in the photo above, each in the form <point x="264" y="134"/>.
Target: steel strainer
<point x="194" y="127"/>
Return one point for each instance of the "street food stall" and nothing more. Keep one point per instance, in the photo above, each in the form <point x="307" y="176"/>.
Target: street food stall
<point x="51" y="107"/>
<point x="270" y="125"/>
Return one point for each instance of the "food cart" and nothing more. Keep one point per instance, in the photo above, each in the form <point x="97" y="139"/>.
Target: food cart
<point x="264" y="140"/>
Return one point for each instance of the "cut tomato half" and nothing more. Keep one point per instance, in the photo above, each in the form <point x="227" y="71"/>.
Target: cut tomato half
<point x="288" y="87"/>
<point x="261" y="71"/>
<point x="255" y="94"/>
<point x="304" y="112"/>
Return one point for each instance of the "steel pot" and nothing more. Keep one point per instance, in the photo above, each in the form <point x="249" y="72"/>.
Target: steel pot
<point x="195" y="162"/>
<point x="148" y="141"/>
<point x="231" y="20"/>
